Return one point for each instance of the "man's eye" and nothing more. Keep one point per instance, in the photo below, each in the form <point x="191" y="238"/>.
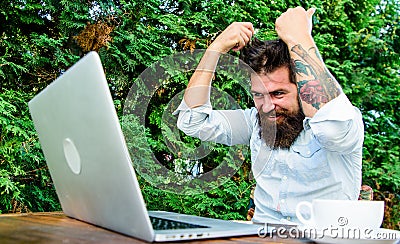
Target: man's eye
<point x="278" y="94"/>
<point x="257" y="95"/>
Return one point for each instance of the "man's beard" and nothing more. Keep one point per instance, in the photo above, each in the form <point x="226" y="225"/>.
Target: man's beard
<point x="282" y="132"/>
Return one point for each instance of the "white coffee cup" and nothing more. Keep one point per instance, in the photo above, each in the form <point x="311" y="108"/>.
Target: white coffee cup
<point x="341" y="214"/>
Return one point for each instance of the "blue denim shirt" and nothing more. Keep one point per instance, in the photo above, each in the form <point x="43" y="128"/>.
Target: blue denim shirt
<point x="323" y="162"/>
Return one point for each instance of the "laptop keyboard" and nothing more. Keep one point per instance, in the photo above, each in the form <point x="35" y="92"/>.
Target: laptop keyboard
<point x="167" y="224"/>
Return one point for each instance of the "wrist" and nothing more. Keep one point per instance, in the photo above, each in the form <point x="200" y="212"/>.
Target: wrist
<point x="306" y="42"/>
<point x="214" y="47"/>
<point x="213" y="52"/>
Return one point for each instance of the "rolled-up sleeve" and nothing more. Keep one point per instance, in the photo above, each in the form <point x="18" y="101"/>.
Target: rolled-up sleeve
<point x="338" y="126"/>
<point x="229" y="127"/>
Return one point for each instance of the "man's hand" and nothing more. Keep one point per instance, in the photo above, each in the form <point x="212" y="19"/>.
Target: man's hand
<point x="234" y="37"/>
<point x="295" y="25"/>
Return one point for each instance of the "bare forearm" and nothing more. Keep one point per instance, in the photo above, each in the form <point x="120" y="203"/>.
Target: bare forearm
<point x="234" y="37"/>
<point x="316" y="85"/>
<point x="197" y="92"/>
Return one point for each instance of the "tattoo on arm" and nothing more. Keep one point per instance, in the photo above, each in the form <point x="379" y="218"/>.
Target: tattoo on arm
<point x="320" y="86"/>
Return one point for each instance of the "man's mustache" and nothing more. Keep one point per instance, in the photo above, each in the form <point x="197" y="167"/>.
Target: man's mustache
<point x="273" y="112"/>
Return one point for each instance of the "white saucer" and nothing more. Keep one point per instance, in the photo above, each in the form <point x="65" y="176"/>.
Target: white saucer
<point x="341" y="235"/>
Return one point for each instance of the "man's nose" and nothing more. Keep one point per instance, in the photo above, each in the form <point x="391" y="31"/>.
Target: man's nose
<point x="268" y="105"/>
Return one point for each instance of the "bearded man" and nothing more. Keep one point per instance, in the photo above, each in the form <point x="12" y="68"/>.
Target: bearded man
<point x="304" y="134"/>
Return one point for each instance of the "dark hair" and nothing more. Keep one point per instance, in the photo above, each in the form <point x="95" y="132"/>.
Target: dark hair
<point x="267" y="56"/>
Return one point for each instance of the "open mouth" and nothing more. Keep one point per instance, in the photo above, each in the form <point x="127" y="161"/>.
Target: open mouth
<point x="274" y="117"/>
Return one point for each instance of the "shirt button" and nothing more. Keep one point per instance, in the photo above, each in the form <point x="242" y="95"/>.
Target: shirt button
<point x="282" y="200"/>
<point x="288" y="218"/>
<point x="284" y="177"/>
<point x="308" y="152"/>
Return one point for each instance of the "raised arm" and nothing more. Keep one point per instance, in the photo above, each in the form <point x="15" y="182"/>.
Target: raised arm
<point x="316" y="85"/>
<point x="234" y="37"/>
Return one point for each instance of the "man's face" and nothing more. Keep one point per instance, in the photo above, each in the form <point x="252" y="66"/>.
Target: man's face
<point x="276" y="100"/>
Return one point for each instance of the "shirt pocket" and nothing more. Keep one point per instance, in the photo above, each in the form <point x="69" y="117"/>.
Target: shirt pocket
<point x="310" y="162"/>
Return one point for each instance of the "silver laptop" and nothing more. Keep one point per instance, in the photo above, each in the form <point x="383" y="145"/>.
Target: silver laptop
<point x="90" y="166"/>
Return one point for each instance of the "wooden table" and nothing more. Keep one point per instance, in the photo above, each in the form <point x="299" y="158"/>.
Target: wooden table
<point x="56" y="227"/>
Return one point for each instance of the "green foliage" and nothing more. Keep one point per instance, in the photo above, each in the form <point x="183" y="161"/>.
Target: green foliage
<point x="358" y="39"/>
<point x="227" y="202"/>
<point x="25" y="183"/>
